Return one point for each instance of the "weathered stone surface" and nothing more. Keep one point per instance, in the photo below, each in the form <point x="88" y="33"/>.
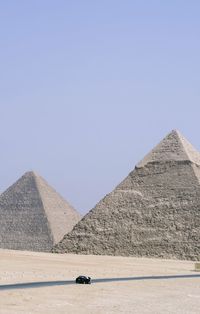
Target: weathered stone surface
<point x="33" y="216"/>
<point x="154" y="212"/>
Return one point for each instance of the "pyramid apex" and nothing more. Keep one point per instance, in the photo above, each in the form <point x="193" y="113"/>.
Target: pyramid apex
<point x="31" y="173"/>
<point x="175" y="131"/>
<point x="174" y="147"/>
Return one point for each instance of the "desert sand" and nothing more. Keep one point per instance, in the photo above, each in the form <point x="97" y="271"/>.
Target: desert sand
<point x="174" y="295"/>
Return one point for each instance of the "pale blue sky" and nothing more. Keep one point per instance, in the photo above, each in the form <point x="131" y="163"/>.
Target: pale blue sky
<point x="87" y="88"/>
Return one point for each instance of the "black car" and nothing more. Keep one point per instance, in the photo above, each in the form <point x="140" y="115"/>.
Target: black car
<point x="83" y="279"/>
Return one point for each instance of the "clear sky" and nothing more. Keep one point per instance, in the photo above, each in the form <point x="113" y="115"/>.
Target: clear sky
<point x="87" y="88"/>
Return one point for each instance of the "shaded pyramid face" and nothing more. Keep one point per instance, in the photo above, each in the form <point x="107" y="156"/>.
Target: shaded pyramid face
<point x="33" y="216"/>
<point x="154" y="212"/>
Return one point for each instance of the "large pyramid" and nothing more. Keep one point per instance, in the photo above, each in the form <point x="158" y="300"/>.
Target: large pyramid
<point x="33" y="216"/>
<point x="154" y="212"/>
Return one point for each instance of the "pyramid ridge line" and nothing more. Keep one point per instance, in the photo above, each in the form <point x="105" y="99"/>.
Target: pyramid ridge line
<point x="190" y="149"/>
<point x="31" y="173"/>
<point x="40" y="180"/>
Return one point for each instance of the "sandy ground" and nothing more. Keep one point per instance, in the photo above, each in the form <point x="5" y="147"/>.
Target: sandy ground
<point x="139" y="296"/>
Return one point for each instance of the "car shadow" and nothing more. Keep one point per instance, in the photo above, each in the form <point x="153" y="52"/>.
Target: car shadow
<point x="40" y="284"/>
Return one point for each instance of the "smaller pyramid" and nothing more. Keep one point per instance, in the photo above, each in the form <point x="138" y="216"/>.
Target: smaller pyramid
<point x="33" y="216"/>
